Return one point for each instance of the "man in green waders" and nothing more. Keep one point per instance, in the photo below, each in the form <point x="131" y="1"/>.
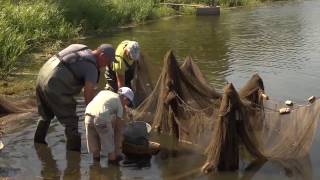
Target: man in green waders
<point x="120" y="73"/>
<point x="60" y="79"/>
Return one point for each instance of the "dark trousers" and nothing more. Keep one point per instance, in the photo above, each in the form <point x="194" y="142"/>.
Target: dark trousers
<point x="64" y="108"/>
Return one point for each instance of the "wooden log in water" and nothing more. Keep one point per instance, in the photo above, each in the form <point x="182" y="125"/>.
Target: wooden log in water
<point x="208" y="11"/>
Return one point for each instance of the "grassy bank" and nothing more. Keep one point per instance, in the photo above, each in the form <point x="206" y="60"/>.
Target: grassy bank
<point x="30" y="26"/>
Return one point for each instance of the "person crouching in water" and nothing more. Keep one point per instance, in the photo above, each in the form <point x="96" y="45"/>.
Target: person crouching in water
<point x="101" y="115"/>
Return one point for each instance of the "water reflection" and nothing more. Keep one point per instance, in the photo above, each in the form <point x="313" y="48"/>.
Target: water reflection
<point x="72" y="170"/>
<point x="137" y="161"/>
<point x="297" y="168"/>
<point x="300" y="168"/>
<point x="49" y="165"/>
<point x="96" y="171"/>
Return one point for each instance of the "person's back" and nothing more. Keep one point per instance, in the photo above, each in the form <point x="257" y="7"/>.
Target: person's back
<point x="105" y="104"/>
<point x="67" y="71"/>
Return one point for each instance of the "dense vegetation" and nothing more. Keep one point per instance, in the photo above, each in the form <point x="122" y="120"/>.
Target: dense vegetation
<point x="26" y="25"/>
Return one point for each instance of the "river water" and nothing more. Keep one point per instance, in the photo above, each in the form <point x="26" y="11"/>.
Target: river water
<point x="279" y="41"/>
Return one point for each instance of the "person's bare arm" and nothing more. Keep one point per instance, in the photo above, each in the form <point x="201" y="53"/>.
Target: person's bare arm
<point x="120" y="79"/>
<point x="89" y="91"/>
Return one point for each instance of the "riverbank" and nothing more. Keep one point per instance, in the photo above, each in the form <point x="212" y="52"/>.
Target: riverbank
<point x="36" y="29"/>
<point x="29" y="28"/>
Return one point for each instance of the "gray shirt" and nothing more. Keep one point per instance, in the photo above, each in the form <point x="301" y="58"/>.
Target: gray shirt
<point x="85" y="67"/>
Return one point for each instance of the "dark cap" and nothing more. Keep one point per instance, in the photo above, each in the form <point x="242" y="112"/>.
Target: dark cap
<point x="108" y="50"/>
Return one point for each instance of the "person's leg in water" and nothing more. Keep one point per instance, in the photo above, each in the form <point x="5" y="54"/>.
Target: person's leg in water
<point x="117" y="129"/>
<point x="72" y="134"/>
<point x="64" y="107"/>
<point x="93" y="140"/>
<point x="106" y="136"/>
<point x="46" y="114"/>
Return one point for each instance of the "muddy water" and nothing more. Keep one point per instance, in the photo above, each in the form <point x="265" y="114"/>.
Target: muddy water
<point x="280" y="41"/>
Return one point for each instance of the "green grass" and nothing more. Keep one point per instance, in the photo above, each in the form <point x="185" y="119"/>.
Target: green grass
<point x="27" y="26"/>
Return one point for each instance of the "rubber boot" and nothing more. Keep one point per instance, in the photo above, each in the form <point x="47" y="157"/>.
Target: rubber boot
<point x="41" y="132"/>
<point x="74" y="142"/>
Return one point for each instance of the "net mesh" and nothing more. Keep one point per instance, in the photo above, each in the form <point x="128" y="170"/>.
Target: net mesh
<point x="184" y="106"/>
<point x="10" y="105"/>
<point x="181" y="103"/>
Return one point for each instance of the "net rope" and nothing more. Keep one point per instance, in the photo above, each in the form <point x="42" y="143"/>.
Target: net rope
<point x="183" y="106"/>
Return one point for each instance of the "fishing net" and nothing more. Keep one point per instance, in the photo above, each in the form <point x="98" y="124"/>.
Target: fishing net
<point x="13" y="110"/>
<point x="141" y="83"/>
<point x="8" y="106"/>
<point x="181" y="103"/>
<point x="183" y="106"/>
<point x="257" y="123"/>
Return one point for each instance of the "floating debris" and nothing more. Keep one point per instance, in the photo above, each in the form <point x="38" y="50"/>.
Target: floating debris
<point x="289" y="103"/>
<point x="284" y="110"/>
<point x="311" y="99"/>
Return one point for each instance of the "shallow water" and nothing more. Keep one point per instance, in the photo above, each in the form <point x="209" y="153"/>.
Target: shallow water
<point x="280" y="41"/>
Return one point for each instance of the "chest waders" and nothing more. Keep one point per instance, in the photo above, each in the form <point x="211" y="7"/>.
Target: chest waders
<point x="57" y="84"/>
<point x="112" y="78"/>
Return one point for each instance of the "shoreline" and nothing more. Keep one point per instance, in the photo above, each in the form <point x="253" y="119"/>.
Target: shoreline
<point x="23" y="82"/>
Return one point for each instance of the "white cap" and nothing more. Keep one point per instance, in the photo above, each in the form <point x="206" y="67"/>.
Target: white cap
<point x="127" y="92"/>
<point x="133" y="49"/>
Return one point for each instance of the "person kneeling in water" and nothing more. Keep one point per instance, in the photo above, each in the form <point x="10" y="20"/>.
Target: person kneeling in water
<point x="100" y="116"/>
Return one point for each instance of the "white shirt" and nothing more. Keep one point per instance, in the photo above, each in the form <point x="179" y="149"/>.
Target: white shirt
<point x="104" y="106"/>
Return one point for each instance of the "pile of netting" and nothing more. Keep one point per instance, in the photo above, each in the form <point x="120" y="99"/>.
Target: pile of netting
<point x="13" y="110"/>
<point x="184" y="106"/>
<point x="181" y="103"/>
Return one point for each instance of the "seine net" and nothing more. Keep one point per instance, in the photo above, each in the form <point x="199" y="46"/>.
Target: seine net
<point x="257" y="123"/>
<point x="184" y="106"/>
<point x="181" y="103"/>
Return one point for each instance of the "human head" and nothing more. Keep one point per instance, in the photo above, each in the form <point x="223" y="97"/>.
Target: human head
<point x="126" y="95"/>
<point x="105" y="54"/>
<point x="133" y="50"/>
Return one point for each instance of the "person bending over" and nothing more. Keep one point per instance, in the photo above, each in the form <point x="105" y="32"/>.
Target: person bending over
<point x="100" y="119"/>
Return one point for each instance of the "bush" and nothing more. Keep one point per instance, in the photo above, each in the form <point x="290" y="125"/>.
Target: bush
<point x="25" y="26"/>
<point x="89" y="14"/>
<point x="134" y="10"/>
